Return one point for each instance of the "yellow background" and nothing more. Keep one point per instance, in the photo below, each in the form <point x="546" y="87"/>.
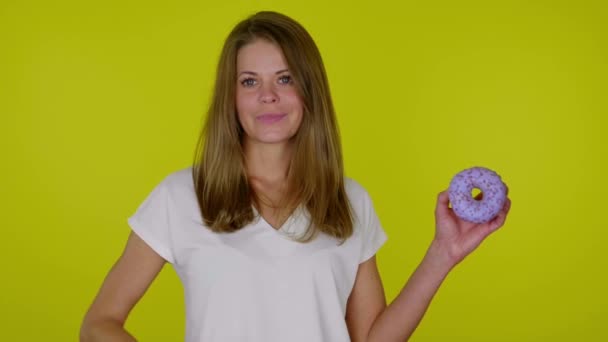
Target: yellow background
<point x="100" y="100"/>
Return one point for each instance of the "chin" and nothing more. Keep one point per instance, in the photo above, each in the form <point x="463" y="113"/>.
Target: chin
<point x="273" y="139"/>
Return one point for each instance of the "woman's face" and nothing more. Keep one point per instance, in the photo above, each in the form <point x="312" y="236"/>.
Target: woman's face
<point x="268" y="105"/>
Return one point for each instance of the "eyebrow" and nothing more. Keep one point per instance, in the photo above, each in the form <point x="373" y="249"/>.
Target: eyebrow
<point x="253" y="73"/>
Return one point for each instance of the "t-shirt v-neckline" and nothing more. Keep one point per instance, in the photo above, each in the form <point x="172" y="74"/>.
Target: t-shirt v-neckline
<point x="283" y="228"/>
<point x="266" y="223"/>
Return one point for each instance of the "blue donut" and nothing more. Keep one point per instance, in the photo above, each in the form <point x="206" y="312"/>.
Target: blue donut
<point x="494" y="194"/>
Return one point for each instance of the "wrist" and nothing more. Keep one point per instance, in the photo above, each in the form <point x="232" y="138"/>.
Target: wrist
<point x="438" y="258"/>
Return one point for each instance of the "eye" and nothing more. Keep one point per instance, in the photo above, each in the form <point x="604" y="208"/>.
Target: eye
<point x="286" y="79"/>
<point x="248" y="82"/>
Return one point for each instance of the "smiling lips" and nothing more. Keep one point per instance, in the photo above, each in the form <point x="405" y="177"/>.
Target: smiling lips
<point x="271" y="117"/>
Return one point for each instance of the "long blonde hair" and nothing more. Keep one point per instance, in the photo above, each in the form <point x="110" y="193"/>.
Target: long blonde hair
<point x="316" y="174"/>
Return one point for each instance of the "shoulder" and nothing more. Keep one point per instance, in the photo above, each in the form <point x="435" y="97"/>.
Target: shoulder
<point x="359" y="200"/>
<point x="177" y="187"/>
<point x="355" y="191"/>
<point x="179" y="179"/>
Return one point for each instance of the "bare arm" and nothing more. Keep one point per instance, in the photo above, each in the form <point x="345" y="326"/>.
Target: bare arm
<point x="122" y="288"/>
<point x="401" y="318"/>
<point x="365" y="302"/>
<point x="367" y="317"/>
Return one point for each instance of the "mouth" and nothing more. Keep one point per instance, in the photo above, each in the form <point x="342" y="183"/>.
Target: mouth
<point x="271" y="117"/>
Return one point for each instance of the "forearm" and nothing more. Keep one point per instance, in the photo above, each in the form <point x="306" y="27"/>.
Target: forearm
<point x="399" y="320"/>
<point x="105" y="330"/>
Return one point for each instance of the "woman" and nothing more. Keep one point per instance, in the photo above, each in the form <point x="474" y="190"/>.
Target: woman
<point x="270" y="240"/>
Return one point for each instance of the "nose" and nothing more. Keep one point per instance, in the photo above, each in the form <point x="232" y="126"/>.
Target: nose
<point x="268" y="94"/>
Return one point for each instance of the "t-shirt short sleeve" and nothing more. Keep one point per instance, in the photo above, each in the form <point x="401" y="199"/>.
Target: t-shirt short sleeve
<point x="372" y="234"/>
<point x="151" y="221"/>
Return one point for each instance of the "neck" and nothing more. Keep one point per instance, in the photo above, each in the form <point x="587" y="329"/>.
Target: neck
<point x="267" y="162"/>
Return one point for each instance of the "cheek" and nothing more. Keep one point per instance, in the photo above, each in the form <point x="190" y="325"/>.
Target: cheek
<point x="241" y="110"/>
<point x="240" y="102"/>
<point x="245" y="105"/>
<point x="299" y="115"/>
<point x="294" y="100"/>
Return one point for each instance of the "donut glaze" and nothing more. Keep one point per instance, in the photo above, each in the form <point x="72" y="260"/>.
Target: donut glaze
<point x="468" y="208"/>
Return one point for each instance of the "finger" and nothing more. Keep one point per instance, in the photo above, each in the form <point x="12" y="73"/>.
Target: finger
<point x="507" y="205"/>
<point x="500" y="219"/>
<point x="443" y="201"/>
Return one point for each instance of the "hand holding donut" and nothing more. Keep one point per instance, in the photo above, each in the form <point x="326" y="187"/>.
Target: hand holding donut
<point x="460" y="229"/>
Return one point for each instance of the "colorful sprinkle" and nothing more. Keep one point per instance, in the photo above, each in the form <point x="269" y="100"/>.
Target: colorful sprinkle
<point x="468" y="208"/>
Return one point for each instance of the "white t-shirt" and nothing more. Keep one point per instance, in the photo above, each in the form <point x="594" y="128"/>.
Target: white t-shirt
<point x="257" y="284"/>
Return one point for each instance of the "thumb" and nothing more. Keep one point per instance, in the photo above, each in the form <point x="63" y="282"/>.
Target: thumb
<point x="442" y="208"/>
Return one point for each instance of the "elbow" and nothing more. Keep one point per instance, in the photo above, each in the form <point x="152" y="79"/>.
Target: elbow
<point x="104" y="329"/>
<point x="93" y="330"/>
<point x="86" y="332"/>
